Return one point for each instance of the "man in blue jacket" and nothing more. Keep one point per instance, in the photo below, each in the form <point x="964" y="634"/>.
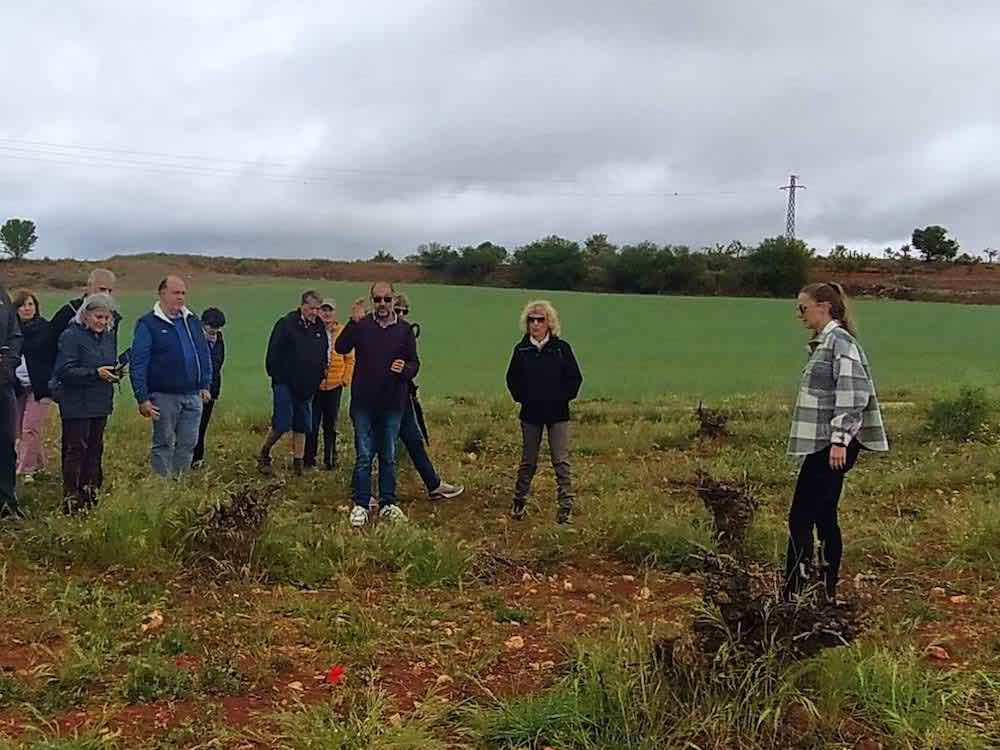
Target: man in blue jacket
<point x="171" y="372"/>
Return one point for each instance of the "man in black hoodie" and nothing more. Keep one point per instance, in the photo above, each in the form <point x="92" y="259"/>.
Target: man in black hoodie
<point x="384" y="364"/>
<point x="100" y="281"/>
<point x="10" y="358"/>
<point x="297" y="356"/>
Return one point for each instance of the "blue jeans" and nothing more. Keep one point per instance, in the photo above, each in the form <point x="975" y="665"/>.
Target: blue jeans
<point x="409" y="433"/>
<point x="175" y="433"/>
<point x="375" y="432"/>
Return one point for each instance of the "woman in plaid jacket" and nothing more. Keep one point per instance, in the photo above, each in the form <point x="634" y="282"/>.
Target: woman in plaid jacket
<point x="836" y="415"/>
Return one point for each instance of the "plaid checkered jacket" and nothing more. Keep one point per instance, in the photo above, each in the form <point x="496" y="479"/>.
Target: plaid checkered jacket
<point x="836" y="400"/>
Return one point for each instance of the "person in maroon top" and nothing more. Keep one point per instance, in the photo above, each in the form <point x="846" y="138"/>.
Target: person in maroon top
<point x="385" y="363"/>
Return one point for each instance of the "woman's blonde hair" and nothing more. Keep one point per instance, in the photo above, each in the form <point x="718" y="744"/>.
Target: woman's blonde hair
<point x="551" y="316"/>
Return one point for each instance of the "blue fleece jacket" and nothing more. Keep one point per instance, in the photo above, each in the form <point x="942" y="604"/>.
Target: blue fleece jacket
<point x="169" y="355"/>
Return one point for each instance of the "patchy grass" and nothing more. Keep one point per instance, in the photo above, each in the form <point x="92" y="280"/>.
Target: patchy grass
<point x="467" y="629"/>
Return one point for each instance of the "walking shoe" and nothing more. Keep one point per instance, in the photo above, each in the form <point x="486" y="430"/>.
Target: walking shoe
<point x="359" y="516"/>
<point x="564" y="514"/>
<point x="445" y="491"/>
<point x="392" y="513"/>
<point x="297" y="467"/>
<point x="329" y="466"/>
<point x="28" y="478"/>
<point x="264" y="465"/>
<point x="517" y="509"/>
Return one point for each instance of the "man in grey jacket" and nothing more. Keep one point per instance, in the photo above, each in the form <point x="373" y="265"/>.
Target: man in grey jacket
<point x="10" y="356"/>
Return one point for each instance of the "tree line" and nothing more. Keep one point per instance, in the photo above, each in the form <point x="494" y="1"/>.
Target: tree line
<point x="777" y="266"/>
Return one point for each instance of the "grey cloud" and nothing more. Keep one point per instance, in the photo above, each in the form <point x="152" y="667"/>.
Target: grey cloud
<point x="340" y="129"/>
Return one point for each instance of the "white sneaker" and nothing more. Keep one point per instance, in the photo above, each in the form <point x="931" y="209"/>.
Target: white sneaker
<point x="28" y="478"/>
<point x="445" y="491"/>
<point x="359" y="516"/>
<point x="392" y="513"/>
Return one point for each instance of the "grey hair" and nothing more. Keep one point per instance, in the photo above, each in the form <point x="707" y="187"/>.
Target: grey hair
<point x="99" y="301"/>
<point x="98" y="272"/>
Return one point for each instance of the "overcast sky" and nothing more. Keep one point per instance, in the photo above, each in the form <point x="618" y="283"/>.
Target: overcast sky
<point x="328" y="129"/>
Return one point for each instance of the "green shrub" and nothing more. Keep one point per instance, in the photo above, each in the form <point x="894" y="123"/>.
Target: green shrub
<point x="11" y="691"/>
<point x="965" y="417"/>
<point x="667" y="541"/>
<point x="154" y="679"/>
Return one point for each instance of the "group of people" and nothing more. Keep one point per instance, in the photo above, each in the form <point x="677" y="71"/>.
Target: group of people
<point x="311" y="357"/>
<point x="175" y="365"/>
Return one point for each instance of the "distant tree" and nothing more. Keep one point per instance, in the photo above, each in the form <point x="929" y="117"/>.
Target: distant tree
<point x="18" y="237"/>
<point x="550" y="263"/>
<point x="934" y="243"/>
<point x="778" y="266"/>
<point x="436" y="257"/>
<point x="479" y="261"/>
<point x="383" y="256"/>
<point x="637" y="269"/>
<point x="599" y="256"/>
<point x="991" y="254"/>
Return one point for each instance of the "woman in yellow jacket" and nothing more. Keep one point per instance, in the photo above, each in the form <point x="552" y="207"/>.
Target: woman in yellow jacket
<point x="326" y="402"/>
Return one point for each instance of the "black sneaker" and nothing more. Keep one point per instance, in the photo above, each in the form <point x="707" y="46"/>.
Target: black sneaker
<point x="517" y="509"/>
<point x="564" y="514"/>
<point x="264" y="465"/>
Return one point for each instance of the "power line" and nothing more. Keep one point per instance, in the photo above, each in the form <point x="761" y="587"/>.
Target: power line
<point x="153" y="162"/>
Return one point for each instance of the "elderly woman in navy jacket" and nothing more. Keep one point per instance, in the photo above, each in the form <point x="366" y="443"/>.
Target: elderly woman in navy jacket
<point x="83" y="383"/>
<point x="543" y="377"/>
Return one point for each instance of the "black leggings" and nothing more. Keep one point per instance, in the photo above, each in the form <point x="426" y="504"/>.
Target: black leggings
<point x="817" y="493"/>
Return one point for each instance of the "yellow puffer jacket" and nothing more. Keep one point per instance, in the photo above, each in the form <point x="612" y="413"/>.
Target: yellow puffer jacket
<point x="340" y="369"/>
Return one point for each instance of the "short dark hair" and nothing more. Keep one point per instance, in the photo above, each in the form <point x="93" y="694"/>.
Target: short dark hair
<point x="214" y="317"/>
<point x="163" y="285"/>
<point x="310" y="294"/>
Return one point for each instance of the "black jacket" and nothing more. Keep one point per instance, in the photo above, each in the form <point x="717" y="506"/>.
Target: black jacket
<point x="10" y="339"/>
<point x="544" y="381"/>
<point x="218" y="353"/>
<point x="297" y="354"/>
<point x="36" y="355"/>
<point x="60" y="322"/>
<point x="374" y="385"/>
<point x="77" y="387"/>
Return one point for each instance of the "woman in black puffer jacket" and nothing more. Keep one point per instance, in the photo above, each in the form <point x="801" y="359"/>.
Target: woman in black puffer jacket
<point x="83" y="383"/>
<point x="543" y="377"/>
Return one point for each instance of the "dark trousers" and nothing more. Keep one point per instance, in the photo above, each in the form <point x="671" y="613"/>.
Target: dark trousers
<point x="8" y="455"/>
<point x="82" y="452"/>
<point x="817" y="493"/>
<point x="325" y="412"/>
<point x="413" y="439"/>
<point x="206" y="417"/>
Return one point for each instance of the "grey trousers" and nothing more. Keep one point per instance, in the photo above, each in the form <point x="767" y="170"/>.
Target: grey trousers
<point x="559" y="448"/>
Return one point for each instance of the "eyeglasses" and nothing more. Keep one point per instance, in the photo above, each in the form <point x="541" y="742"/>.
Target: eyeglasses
<point x="536" y="318"/>
<point x="377" y="299"/>
<point x="802" y="309"/>
<point x="402" y="311"/>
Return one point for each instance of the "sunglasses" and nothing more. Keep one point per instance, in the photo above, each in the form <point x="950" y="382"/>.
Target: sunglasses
<point x="377" y="299"/>
<point x="536" y="318"/>
<point x="402" y="311"/>
<point x="802" y="309"/>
